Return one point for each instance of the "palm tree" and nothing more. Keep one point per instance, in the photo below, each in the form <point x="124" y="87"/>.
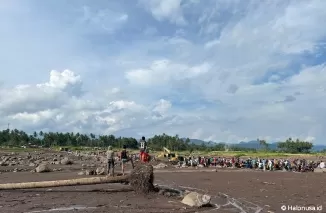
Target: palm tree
<point x="263" y="143"/>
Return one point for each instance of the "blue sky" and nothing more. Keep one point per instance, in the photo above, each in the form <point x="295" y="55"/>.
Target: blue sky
<point x="221" y="70"/>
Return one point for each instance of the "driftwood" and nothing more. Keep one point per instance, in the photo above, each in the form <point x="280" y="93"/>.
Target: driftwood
<point x="71" y="182"/>
<point x="140" y="179"/>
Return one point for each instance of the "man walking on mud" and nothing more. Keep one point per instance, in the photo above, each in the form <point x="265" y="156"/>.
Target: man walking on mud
<point x="110" y="161"/>
<point x="124" y="157"/>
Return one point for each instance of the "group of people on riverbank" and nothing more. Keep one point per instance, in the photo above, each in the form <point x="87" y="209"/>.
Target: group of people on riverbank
<point x="298" y="165"/>
<point x="124" y="157"/>
<point x="271" y="164"/>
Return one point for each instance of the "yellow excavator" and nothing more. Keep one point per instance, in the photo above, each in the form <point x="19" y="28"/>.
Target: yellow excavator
<point x="171" y="156"/>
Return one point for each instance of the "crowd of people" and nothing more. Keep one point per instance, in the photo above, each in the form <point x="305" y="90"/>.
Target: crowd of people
<point x="298" y="165"/>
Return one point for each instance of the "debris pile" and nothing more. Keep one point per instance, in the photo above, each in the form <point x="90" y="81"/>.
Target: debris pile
<point x="160" y="166"/>
<point x="141" y="178"/>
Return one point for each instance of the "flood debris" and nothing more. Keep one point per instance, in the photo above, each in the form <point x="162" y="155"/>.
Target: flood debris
<point x="142" y="178"/>
<point x="160" y="166"/>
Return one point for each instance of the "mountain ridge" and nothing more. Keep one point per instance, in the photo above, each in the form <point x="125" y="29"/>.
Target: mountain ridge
<point x="253" y="144"/>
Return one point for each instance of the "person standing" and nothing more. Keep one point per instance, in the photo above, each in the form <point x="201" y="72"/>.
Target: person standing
<point x="124" y="157"/>
<point x="145" y="157"/>
<point x="110" y="161"/>
<point x="143" y="144"/>
<point x="141" y="154"/>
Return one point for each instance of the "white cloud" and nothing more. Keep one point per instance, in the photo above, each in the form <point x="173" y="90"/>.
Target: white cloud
<point x="104" y="19"/>
<point x="216" y="70"/>
<point x="164" y="71"/>
<point x="165" y="9"/>
<point x="162" y="106"/>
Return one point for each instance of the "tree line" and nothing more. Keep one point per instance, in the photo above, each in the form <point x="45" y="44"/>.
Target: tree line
<point x="17" y="138"/>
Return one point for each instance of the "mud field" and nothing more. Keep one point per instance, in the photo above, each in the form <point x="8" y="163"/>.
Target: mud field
<point x="231" y="190"/>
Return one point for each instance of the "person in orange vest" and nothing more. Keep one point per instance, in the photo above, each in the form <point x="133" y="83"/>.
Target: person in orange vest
<point x="141" y="155"/>
<point x="145" y="157"/>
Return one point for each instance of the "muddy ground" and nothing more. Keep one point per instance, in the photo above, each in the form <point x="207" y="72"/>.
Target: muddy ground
<point x="246" y="190"/>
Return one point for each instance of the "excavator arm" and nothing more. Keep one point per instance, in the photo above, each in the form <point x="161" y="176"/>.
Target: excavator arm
<point x="166" y="150"/>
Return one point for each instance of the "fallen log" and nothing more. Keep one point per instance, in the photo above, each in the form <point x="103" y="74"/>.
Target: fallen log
<point x="141" y="180"/>
<point x="58" y="183"/>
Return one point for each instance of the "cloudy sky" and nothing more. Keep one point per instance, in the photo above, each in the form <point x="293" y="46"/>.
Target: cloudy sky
<point x="220" y="70"/>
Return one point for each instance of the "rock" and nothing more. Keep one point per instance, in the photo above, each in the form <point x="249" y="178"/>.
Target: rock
<point x="66" y="161"/>
<point x="89" y="172"/>
<point x="42" y="168"/>
<point x="160" y="166"/>
<point x="3" y="163"/>
<point x="81" y="173"/>
<point x="195" y="199"/>
<point x="100" y="171"/>
<point x="32" y="164"/>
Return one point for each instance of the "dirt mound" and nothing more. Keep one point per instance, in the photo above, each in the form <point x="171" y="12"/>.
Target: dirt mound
<point x="141" y="178"/>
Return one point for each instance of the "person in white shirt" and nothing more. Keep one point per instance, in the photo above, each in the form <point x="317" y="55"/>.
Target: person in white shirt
<point x="110" y="161"/>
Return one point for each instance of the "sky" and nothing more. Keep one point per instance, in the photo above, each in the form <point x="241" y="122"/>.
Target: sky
<point x="216" y="70"/>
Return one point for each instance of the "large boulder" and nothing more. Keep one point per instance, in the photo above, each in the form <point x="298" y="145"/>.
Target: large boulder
<point x="100" y="171"/>
<point x="44" y="167"/>
<point x="195" y="199"/>
<point x="66" y="161"/>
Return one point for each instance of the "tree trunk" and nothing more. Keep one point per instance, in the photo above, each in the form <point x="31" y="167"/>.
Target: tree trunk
<point x="58" y="183"/>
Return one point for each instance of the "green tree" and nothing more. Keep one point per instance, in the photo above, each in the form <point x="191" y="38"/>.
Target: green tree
<point x="296" y="146"/>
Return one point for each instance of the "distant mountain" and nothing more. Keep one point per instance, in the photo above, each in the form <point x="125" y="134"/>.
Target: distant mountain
<point x="200" y="142"/>
<point x="273" y="146"/>
<point x="319" y="147"/>
<point x="249" y="144"/>
<point x="254" y="145"/>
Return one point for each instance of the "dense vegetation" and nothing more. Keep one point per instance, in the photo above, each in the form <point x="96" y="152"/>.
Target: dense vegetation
<point x="17" y="138"/>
